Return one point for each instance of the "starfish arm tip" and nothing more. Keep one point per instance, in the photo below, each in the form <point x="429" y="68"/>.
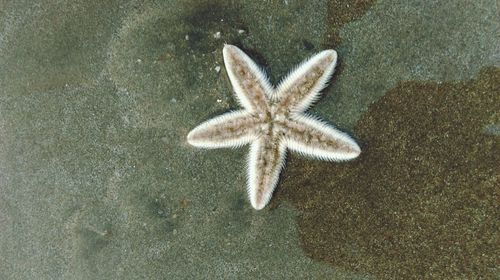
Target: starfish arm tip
<point x="226" y="49"/>
<point x="265" y="163"/>
<point x="193" y="139"/>
<point x="317" y="139"/>
<point x="331" y="52"/>
<point x="230" y="130"/>
<point x="302" y="86"/>
<point x="250" y="83"/>
<point x="257" y="205"/>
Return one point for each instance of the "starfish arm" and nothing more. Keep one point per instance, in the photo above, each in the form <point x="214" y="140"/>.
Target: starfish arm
<point x="302" y="86"/>
<point x="265" y="162"/>
<point x="314" y="138"/>
<point x="232" y="129"/>
<point x="250" y="83"/>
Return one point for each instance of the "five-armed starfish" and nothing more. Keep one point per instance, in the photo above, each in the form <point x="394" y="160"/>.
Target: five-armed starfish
<point x="273" y="120"/>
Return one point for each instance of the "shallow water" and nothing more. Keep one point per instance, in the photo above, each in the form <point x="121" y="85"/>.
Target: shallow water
<point x="98" y="182"/>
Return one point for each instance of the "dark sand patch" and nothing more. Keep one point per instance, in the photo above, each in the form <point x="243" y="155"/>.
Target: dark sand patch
<point x="421" y="200"/>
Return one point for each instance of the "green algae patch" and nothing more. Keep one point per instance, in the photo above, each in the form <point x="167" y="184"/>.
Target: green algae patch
<point x="421" y="199"/>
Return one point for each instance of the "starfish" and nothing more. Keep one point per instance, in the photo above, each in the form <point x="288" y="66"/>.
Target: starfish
<point x="273" y="120"/>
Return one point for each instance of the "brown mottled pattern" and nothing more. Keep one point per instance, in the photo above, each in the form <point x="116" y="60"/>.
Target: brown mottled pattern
<point x="296" y="92"/>
<point x="248" y="81"/>
<point x="303" y="133"/>
<point x="231" y="129"/>
<point x="422" y="202"/>
<point x="267" y="164"/>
